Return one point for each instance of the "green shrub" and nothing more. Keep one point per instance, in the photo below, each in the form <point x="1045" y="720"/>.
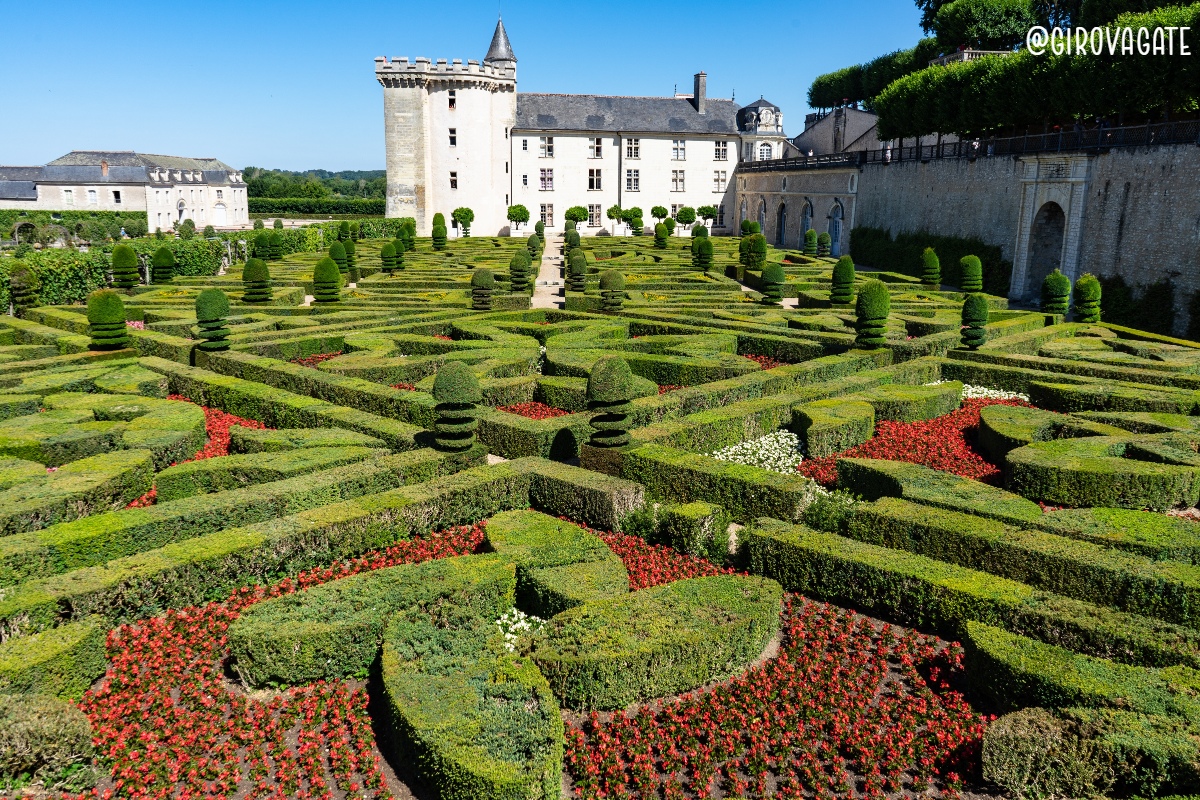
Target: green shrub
<point x="971" y="272"/>
<point x="660" y="236"/>
<point x="974" y="318"/>
<point x="876" y="247"/>
<point x="262" y="245"/>
<point x="637" y="226"/>
<point x="439" y="237"/>
<point x="1056" y="293"/>
<point x="871" y="311"/>
<point x="343" y="231"/>
<point x="534" y="245"/>
<point x="699" y="232"/>
<point x="456" y="390"/>
<point x="212" y="312"/>
<point x="824" y="243"/>
<point x="842" y="284"/>
<point x="757" y="252"/>
<point x="163" y="265"/>
<point x="612" y="291"/>
<point x="276" y="246"/>
<point x="256" y="282"/>
<point x="571" y="239"/>
<point x="669" y="223"/>
<point x="810" y="242"/>
<point x="351" y="261"/>
<point x="704" y="253"/>
<point x="258" y="225"/>
<point x="576" y="270"/>
<point x="327" y="281"/>
<point x="337" y="251"/>
<point x="47" y="740"/>
<point x="1087" y="298"/>
<point x="931" y="268"/>
<point x="277" y="224"/>
<point x="482" y="284"/>
<point x="609" y="394"/>
<point x="22" y="288"/>
<point x="519" y="272"/>
<point x="125" y="267"/>
<point x="106" y="320"/>
<point x="745" y="227"/>
<point x="698" y="529"/>
<point x="744" y="250"/>
<point x="539" y="229"/>
<point x="1031" y="754"/>
<point x="773" y="279"/>
<point x="831" y="426"/>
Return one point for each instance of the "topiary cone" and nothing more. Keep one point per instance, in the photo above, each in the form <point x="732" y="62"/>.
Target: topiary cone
<point x="518" y="272"/>
<point x="609" y="393"/>
<point x="456" y="390"/>
<point x="972" y="274"/>
<point x="660" y="236"/>
<point x="931" y="268"/>
<point x="872" y="309"/>
<point x="351" y="260"/>
<point x="576" y="270"/>
<point x="106" y="320"/>
<point x="704" y="254"/>
<point x="1056" y="293"/>
<point x="212" y="312"/>
<point x="276" y="247"/>
<point x="439" y="237"/>
<point x="534" y="245"/>
<point x="1087" y="298"/>
<point x="327" y="281"/>
<point x="387" y="257"/>
<point x="842" y="284"/>
<point x="572" y="239"/>
<point x="772" y="283"/>
<point x="162" y="265"/>
<point x="612" y="291"/>
<point x="482" y="284"/>
<point x="256" y="282"/>
<point x="757" y="251"/>
<point x="974" y="317"/>
<point x="125" y="268"/>
<point x="337" y="251"/>
<point x="22" y="288"/>
<point x="824" y="243"/>
<point x="810" y="242"/>
<point x="262" y="245"/>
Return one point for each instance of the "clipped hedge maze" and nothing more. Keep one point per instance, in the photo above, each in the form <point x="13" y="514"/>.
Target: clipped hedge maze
<point x="300" y="423"/>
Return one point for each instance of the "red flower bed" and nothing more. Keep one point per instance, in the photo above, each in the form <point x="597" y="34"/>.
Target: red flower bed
<point x="148" y="499"/>
<point x="443" y="338"/>
<point x="169" y="724"/>
<point x="663" y="388"/>
<point x="217" y="424"/>
<point x="652" y="565"/>
<point x="406" y="386"/>
<point x="313" y="361"/>
<point x="846" y="709"/>
<point x="946" y="443"/>
<point x="534" y="410"/>
<point x="766" y="362"/>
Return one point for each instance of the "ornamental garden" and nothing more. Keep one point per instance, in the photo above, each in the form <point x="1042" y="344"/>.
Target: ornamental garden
<point x="351" y="519"/>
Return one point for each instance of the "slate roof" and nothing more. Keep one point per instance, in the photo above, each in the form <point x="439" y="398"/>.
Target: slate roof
<point x="612" y="114"/>
<point x="501" y="48"/>
<point x="128" y="158"/>
<point x="18" y="190"/>
<point x="124" y="167"/>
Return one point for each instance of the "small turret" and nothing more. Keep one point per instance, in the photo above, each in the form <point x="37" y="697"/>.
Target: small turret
<point x="500" y="53"/>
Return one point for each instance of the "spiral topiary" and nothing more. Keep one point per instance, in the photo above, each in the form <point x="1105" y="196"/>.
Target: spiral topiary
<point x="400" y="247"/>
<point x="534" y="245"/>
<point x="572" y="238"/>
<point x="609" y="394"/>
<point x="439" y="237"/>
<point x="212" y="312"/>
<point x="162" y="265"/>
<point x="355" y="231"/>
<point x="387" y="257"/>
<point x="125" y="268"/>
<point x="518" y="272"/>
<point x="842" y="291"/>
<point x="569" y="226"/>
<point x="400" y="243"/>
<point x="1056" y="293"/>
<point x="482" y="284"/>
<point x="872" y="309"/>
<point x="810" y="242"/>
<point x="337" y="251"/>
<point x="744" y="250"/>
<point x="576" y="270"/>
<point x="22" y="288"/>
<point x="704" y="255"/>
<point x="637" y="226"/>
<point x="824" y="243"/>
<point x="262" y="245"/>
<point x="1087" y="298"/>
<point x="660" y="236"/>
<point x="539" y="228"/>
<point x="772" y="283"/>
<point x="343" y="230"/>
<point x="256" y="282"/>
<point x="757" y="253"/>
<point x="744" y="228"/>
<point x="106" y="320"/>
<point x="327" y="281"/>
<point x="612" y="291"/>
<point x="276" y="247"/>
<point x="456" y="390"/>
<point x="351" y="260"/>
<point x="409" y="229"/>
<point x="694" y="246"/>
<point x="931" y="268"/>
<point x="439" y="219"/>
<point x="974" y="318"/>
<point x="700" y="232"/>
<point x="669" y="224"/>
<point x="971" y="270"/>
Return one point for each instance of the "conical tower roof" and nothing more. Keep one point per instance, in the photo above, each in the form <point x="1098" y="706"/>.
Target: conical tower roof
<point x="501" y="49"/>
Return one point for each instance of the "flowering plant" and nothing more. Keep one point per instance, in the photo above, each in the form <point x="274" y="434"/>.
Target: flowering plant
<point x="778" y="452"/>
<point x="534" y="410"/>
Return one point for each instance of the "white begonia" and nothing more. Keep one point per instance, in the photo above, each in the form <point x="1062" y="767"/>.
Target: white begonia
<point x="972" y="392"/>
<point x="778" y="452"/>
<point x="516" y="623"/>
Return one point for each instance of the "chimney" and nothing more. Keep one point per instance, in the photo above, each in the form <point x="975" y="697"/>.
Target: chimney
<point x="103" y="169"/>
<point x="699" y="87"/>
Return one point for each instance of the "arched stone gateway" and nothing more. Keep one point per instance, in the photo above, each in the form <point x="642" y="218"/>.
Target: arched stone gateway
<point x="1045" y="246"/>
<point x="781" y="225"/>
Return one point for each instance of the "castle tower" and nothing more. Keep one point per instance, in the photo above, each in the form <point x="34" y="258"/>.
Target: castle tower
<point x="446" y="129"/>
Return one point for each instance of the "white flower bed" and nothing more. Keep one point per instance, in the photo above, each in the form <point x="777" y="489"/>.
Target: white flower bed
<point x="971" y="392"/>
<point x="779" y="452"/>
<point x="516" y="624"/>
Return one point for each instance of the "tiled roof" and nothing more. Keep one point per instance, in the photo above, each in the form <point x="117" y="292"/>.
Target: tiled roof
<point x="612" y="114"/>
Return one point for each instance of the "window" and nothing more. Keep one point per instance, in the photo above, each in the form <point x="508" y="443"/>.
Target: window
<point x="721" y="151"/>
<point x="117" y="197"/>
<point x="594" y="216"/>
<point x="593" y="180"/>
<point x="677" y="180"/>
<point x="749" y="152"/>
<point x="525" y="144"/>
<point x="220" y="194"/>
<point x="674" y="209"/>
<point x="719" y="180"/>
<point x="69" y="197"/>
<point x="546" y="147"/>
<point x="454" y="137"/>
<point x="633" y="180"/>
<point x="548" y="214"/>
<point x="453" y="100"/>
<point x="721" y="216"/>
<point x="764" y="151"/>
<point x="91" y="197"/>
<point x="453" y="180"/>
<point x="160" y="219"/>
<point x="678" y="150"/>
<point x="633" y="148"/>
<point x="524" y="180"/>
<point x="595" y="148"/>
<point x="547" y="180"/>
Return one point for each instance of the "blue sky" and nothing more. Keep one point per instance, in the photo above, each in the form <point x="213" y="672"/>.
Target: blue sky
<point x="291" y="85"/>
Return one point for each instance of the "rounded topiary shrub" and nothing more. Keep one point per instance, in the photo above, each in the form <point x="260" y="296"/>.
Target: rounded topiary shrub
<point x="337" y="251"/>
<point x="162" y="265"/>
<point x="400" y="243"/>
<point x="1056" y="293"/>
<point x="277" y="225"/>
<point x="327" y="281"/>
<point x="482" y="284"/>
<point x="612" y="290"/>
<point x="576" y="270"/>
<point x="276" y="247"/>
<point x="704" y="254"/>
<point x="974" y="317"/>
<point x="125" y="267"/>
<point x="1087" y="298"/>
<point x="22" y="288"/>
<point x="351" y="260"/>
<point x="669" y="223"/>
<point x="824" y="243"/>
<point x="518" y="272"/>
<point x="106" y="320"/>
<point x="212" y="313"/>
<point x="842" y="286"/>
<point x="46" y="740"/>
<point x="610" y="389"/>
<point x="810" y="242"/>
<point x="539" y="228"/>
<point x="262" y="245"/>
<point x="572" y="238"/>
<point x="456" y="390"/>
<point x="439" y="237"/>
<point x="744" y="228"/>
<point x="700" y="232"/>
<point x="256" y="281"/>
<point x="660" y="236"/>
<point x="772" y="283"/>
<point x="637" y="226"/>
<point x="569" y="226"/>
<point x="931" y="268"/>
<point x="756" y="252"/>
<point x="871" y="310"/>
<point x="534" y="245"/>
<point x="387" y="258"/>
<point x="343" y="230"/>
<point x="258" y="225"/>
<point x="744" y="250"/>
<point x="439" y="219"/>
<point x="971" y="269"/>
<point x="355" y="231"/>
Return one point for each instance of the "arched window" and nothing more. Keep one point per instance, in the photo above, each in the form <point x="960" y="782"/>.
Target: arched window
<point x="764" y="151"/>
<point x="781" y="225"/>
<point x="762" y="216"/>
<point x="835" y="229"/>
<point x="743" y="215"/>
<point x="806" y="218"/>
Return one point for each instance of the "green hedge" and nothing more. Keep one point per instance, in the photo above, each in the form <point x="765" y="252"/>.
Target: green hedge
<point x="63" y="276"/>
<point x="46" y="741"/>
<point x="658" y="641"/>
<point x="864" y="81"/>
<point x="1096" y="396"/>
<point x="211" y="475"/>
<point x="1156" y="536"/>
<point x="876" y="247"/>
<point x="71" y="220"/>
<point x="316" y="205"/>
<point x="912" y="403"/>
<point x="275" y="440"/>
<point x="698" y="529"/>
<point x="831" y="426"/>
<point x="63" y="662"/>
